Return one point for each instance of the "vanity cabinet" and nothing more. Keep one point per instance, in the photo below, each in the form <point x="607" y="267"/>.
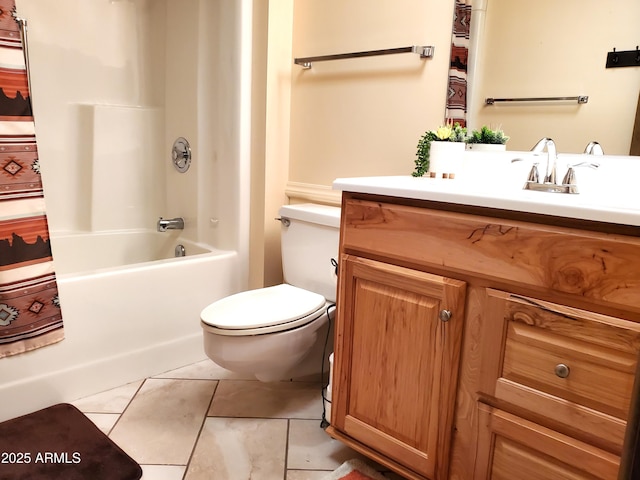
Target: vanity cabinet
<point x="474" y="343"/>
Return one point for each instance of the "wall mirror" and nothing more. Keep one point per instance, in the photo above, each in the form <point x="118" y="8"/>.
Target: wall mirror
<point x="548" y="48"/>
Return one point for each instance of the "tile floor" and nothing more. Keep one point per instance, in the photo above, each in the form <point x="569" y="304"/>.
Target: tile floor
<point x="204" y="422"/>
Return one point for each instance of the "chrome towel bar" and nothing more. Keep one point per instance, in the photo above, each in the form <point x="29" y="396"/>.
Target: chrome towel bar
<point x="423" y="51"/>
<point x="578" y="98"/>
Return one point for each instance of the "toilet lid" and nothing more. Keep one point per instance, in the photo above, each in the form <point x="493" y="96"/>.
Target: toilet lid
<point x="264" y="307"/>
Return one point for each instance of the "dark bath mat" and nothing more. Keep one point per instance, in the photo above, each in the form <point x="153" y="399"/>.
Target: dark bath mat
<point x="60" y="443"/>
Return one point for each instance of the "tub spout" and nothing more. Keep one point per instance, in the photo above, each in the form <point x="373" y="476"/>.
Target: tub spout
<point x="165" y="224"/>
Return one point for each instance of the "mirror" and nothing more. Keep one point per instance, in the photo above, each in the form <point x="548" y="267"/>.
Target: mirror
<point x="548" y="48"/>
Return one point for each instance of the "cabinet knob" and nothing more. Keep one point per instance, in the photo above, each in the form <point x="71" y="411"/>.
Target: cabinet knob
<point x="445" y="315"/>
<point x="562" y="370"/>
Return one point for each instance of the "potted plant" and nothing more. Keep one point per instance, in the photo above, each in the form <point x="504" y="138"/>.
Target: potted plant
<point x="487" y="139"/>
<point x="438" y="149"/>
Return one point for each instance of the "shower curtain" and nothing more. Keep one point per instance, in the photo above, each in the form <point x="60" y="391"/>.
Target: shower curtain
<point x="457" y="90"/>
<point x="30" y="315"/>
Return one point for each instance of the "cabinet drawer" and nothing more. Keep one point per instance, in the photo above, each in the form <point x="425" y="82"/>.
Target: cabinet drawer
<point x="571" y="366"/>
<point x="517" y="448"/>
<point x="602" y="268"/>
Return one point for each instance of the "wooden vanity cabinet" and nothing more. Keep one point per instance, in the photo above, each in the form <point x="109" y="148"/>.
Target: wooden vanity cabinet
<point x="532" y="374"/>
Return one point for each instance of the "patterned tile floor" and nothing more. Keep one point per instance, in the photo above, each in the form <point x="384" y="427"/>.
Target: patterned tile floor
<point x="203" y="422"/>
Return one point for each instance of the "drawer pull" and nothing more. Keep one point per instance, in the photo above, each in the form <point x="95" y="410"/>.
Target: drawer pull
<point x="562" y="370"/>
<point x="445" y="315"/>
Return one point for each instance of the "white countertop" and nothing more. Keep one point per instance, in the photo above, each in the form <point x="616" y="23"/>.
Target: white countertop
<point x="612" y="202"/>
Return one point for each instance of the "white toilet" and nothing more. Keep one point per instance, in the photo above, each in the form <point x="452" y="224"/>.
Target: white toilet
<point x="279" y="333"/>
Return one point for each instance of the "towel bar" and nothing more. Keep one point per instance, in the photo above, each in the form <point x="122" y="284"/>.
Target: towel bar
<point x="423" y="51"/>
<point x="578" y="98"/>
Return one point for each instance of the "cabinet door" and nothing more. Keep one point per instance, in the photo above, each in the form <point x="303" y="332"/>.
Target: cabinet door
<point x="398" y="337"/>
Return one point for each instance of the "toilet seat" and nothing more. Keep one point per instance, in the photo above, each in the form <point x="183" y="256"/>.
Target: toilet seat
<point x="264" y="310"/>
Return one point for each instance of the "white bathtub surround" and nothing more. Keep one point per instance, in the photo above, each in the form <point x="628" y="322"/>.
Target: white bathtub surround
<point x="111" y="94"/>
<point x="80" y="254"/>
<point x="126" y="186"/>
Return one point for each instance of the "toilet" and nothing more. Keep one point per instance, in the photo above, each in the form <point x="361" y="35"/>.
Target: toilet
<point x="283" y="332"/>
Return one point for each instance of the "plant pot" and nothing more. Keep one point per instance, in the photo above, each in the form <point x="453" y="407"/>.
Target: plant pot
<point x="445" y="158"/>
<point x="486" y="147"/>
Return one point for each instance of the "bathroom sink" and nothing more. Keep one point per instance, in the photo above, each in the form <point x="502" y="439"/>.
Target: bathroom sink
<point x="494" y="181"/>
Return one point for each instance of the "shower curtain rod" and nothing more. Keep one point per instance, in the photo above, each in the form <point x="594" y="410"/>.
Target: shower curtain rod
<point x="22" y="23"/>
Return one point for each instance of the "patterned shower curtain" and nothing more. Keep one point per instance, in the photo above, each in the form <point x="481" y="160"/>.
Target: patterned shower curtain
<point x="457" y="91"/>
<point x="30" y="315"/>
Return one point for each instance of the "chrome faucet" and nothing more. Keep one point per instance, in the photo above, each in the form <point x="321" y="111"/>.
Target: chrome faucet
<point x="593" y="148"/>
<point x="550" y="184"/>
<point x="552" y="158"/>
<point x="170" y="224"/>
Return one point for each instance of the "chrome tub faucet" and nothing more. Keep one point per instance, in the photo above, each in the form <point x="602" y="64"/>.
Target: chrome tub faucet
<point x="165" y="224"/>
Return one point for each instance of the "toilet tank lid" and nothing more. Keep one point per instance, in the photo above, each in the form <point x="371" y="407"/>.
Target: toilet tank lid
<point x="313" y="213"/>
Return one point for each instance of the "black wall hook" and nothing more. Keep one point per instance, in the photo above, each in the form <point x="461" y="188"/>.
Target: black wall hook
<point x="627" y="58"/>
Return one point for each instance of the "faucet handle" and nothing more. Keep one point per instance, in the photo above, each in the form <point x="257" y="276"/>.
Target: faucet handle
<point x="593" y="165"/>
<point x="570" y="176"/>
<point x="534" y="175"/>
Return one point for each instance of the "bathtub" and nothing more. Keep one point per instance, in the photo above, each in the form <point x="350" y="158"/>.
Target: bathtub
<point x="130" y="309"/>
<point x="88" y="254"/>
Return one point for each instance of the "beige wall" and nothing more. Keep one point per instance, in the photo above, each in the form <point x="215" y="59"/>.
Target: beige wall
<point x="354" y="117"/>
<point x="361" y="117"/>
<point x="259" y="56"/>
<point x="559" y="50"/>
<point x="277" y="132"/>
<point x="273" y="24"/>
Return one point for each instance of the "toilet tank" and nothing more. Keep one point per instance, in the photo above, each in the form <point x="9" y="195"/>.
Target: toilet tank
<point x="309" y="243"/>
